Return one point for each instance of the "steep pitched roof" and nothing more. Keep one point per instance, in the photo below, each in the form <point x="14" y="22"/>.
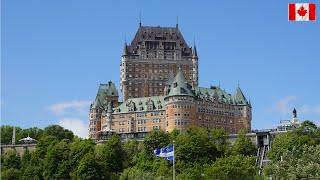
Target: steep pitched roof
<point x="141" y="104"/>
<point x="212" y="92"/>
<point x="239" y="97"/>
<point x="180" y="86"/>
<point x="157" y="33"/>
<point x="104" y="91"/>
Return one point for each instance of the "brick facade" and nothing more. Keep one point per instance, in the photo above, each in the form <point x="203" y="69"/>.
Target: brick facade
<point x="153" y="57"/>
<point x="159" y="84"/>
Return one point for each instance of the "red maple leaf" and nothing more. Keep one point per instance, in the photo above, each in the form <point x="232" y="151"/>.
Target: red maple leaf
<point x="302" y="11"/>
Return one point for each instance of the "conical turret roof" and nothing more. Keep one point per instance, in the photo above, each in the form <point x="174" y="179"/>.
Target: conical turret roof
<point x="239" y="97"/>
<point x="180" y="86"/>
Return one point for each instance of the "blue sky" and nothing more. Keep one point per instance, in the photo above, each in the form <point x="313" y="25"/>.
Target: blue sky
<point x="55" y="54"/>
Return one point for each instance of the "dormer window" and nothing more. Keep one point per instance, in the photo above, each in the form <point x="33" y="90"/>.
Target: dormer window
<point x="175" y="84"/>
<point x="150" y="107"/>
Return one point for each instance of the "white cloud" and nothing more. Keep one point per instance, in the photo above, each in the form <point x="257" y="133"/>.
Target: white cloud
<point x="77" y="126"/>
<point x="285" y="106"/>
<point x="62" y="108"/>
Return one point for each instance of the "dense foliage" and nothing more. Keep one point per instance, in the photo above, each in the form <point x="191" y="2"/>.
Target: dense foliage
<point x="200" y="154"/>
<point x="6" y="133"/>
<point x="296" y="154"/>
<point x="60" y="155"/>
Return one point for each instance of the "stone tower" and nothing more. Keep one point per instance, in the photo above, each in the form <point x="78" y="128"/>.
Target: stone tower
<point x="180" y="104"/>
<point x="107" y="96"/>
<point x="154" y="54"/>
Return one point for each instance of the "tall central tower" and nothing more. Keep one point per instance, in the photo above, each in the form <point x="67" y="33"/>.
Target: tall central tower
<point x="153" y="58"/>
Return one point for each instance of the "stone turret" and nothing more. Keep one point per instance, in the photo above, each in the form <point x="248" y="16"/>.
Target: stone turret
<point x="244" y="108"/>
<point x="180" y="104"/>
<point x="107" y="123"/>
<point x="107" y="96"/>
<point x="239" y="97"/>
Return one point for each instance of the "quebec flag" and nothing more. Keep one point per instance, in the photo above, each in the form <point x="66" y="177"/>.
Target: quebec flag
<point x="166" y="152"/>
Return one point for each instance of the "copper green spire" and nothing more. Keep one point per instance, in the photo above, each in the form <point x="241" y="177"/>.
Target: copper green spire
<point x="180" y="86"/>
<point x="239" y="98"/>
<point x="104" y="91"/>
<point x="194" y="49"/>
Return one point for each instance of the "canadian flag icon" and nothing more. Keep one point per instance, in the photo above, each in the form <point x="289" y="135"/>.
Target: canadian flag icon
<point x="302" y="12"/>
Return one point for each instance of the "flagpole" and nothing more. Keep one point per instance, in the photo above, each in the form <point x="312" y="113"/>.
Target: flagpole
<point x="173" y="168"/>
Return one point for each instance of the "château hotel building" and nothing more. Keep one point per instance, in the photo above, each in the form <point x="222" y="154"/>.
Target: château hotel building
<point x="159" y="86"/>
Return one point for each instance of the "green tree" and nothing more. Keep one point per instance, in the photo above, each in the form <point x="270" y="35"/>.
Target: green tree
<point x="194" y="146"/>
<point x="10" y="174"/>
<point x="308" y="126"/>
<point x="43" y="144"/>
<point x="58" y="132"/>
<point x="89" y="168"/>
<point x="11" y="160"/>
<point x="298" y="163"/>
<point x="136" y="173"/>
<point x="156" y="139"/>
<point x="194" y="172"/>
<point x="6" y="134"/>
<point x="162" y="168"/>
<point x="26" y="158"/>
<point x="56" y="164"/>
<point x="78" y="150"/>
<point x="294" y="139"/>
<point x="243" y="146"/>
<point x="31" y="172"/>
<point x="111" y="155"/>
<point x="232" y="167"/>
<point x="219" y="138"/>
<point x="131" y="149"/>
<point x="34" y="132"/>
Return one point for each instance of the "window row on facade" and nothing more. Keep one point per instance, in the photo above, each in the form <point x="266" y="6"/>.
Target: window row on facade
<point x="180" y="122"/>
<point x="142" y="114"/>
<point x="215" y="112"/>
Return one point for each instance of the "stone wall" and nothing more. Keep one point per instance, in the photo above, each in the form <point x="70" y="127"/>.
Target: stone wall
<point x="20" y="148"/>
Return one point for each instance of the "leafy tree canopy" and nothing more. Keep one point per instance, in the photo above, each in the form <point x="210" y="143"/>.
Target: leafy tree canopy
<point x="232" y="167"/>
<point x="58" y="132"/>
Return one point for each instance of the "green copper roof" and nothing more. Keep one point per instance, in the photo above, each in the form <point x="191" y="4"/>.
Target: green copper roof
<point x="239" y="98"/>
<point x="214" y="92"/>
<point x="180" y="86"/>
<point x="221" y="95"/>
<point x="141" y="104"/>
<point x="104" y="91"/>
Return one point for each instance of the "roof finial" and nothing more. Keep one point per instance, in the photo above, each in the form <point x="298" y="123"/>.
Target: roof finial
<point x="238" y="84"/>
<point x="219" y="84"/>
<point x="177" y="21"/>
<point x="140" y="19"/>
